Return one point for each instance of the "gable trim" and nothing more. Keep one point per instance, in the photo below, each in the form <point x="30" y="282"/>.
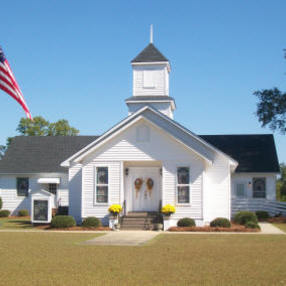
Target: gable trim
<point x="102" y="138"/>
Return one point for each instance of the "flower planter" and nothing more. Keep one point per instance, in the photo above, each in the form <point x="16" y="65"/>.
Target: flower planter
<point x="113" y="221"/>
<point x="166" y="222"/>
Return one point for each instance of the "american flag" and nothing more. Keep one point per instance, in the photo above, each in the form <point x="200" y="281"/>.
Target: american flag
<point x="9" y="85"/>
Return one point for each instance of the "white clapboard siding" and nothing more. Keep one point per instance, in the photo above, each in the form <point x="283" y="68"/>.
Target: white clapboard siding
<point x="246" y="180"/>
<point x="75" y="193"/>
<point x="14" y="203"/>
<point x="160" y="78"/>
<point x="89" y="205"/>
<point x="160" y="148"/>
<point x="217" y="190"/>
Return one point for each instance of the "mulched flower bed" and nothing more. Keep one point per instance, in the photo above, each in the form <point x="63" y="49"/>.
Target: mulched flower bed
<point x="77" y="228"/>
<point x="233" y="228"/>
<point x="279" y="219"/>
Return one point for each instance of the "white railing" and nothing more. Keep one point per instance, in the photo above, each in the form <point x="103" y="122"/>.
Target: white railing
<point x="272" y="207"/>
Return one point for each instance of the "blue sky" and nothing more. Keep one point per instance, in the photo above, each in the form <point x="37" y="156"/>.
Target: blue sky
<point x="72" y="60"/>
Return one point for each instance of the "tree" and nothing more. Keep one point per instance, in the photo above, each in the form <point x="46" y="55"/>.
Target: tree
<point x="41" y="127"/>
<point x="271" y="108"/>
<point x="2" y="151"/>
<point x="281" y="183"/>
<point x="36" y="127"/>
<point x="61" y="128"/>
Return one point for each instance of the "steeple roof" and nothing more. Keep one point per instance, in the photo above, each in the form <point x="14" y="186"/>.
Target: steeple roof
<point x="150" y="54"/>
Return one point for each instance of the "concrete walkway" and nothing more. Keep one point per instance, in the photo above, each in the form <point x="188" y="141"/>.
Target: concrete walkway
<point x="126" y="238"/>
<point x="268" y="228"/>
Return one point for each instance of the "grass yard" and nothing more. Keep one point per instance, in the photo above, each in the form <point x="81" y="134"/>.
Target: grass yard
<point x="18" y="223"/>
<point x="282" y="226"/>
<point x="45" y="258"/>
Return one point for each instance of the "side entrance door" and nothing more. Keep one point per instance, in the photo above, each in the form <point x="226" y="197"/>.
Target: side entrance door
<point x="145" y="188"/>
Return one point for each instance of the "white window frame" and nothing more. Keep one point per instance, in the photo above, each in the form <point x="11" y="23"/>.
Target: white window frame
<point x="183" y="185"/>
<point x="49" y="190"/>
<point x="100" y="185"/>
<point x="245" y="190"/>
<point x="265" y="187"/>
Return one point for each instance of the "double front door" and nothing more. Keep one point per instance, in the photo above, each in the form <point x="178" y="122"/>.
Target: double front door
<point x="143" y="188"/>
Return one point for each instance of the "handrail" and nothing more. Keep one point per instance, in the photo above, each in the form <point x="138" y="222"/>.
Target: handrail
<point x="124" y="208"/>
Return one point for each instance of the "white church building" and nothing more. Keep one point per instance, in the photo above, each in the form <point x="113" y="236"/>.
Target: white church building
<point x="145" y="161"/>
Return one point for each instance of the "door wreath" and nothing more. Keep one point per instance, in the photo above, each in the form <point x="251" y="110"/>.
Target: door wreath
<point x="150" y="184"/>
<point x="138" y="184"/>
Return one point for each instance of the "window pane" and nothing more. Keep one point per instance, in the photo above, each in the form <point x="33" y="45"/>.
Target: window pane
<point x="240" y="190"/>
<point x="183" y="175"/>
<point x="22" y="186"/>
<point x="40" y="210"/>
<point x="184" y="195"/>
<point x="101" y="194"/>
<point x="53" y="188"/>
<point x="102" y="175"/>
<point x="259" y="188"/>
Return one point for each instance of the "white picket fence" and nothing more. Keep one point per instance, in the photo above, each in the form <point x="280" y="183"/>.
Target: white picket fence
<point x="272" y="207"/>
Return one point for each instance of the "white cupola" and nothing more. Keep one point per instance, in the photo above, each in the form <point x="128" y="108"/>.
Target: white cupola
<point x="151" y="81"/>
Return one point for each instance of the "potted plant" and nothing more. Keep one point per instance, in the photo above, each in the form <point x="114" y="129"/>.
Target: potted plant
<point x="114" y="211"/>
<point x="168" y="210"/>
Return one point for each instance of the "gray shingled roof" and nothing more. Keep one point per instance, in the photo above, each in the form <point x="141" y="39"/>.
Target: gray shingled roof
<point x="254" y="153"/>
<point x="36" y="154"/>
<point x="40" y="154"/>
<point x="150" y="54"/>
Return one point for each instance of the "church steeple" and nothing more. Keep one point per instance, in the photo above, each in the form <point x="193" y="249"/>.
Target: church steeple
<point x="151" y="81"/>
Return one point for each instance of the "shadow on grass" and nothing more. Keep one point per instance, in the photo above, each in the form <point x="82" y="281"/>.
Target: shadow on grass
<point x="15" y="223"/>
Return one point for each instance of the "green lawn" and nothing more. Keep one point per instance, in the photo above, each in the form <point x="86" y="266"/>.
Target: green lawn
<point x="46" y="258"/>
<point x="19" y="223"/>
<point x="282" y="226"/>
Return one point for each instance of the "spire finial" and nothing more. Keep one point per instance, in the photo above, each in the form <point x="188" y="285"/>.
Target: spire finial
<point x="151" y="34"/>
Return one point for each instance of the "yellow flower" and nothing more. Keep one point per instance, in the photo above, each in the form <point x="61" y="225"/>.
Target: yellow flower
<point x="168" y="209"/>
<point x="116" y="209"/>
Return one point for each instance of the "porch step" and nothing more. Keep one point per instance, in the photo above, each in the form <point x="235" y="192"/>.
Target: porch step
<point x="139" y="220"/>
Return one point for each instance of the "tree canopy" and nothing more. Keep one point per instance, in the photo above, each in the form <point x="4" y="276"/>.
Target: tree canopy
<point x="41" y="127"/>
<point x="271" y="108"/>
<point x="281" y="183"/>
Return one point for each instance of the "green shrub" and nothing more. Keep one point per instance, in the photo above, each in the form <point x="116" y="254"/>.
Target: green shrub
<point x="262" y="215"/>
<point x="220" y="222"/>
<point x="62" y="221"/>
<point x="1" y="203"/>
<point x="23" y="212"/>
<point x="4" y="213"/>
<point x="251" y="224"/>
<point x="91" y="222"/>
<point x="186" y="222"/>
<point x="245" y="216"/>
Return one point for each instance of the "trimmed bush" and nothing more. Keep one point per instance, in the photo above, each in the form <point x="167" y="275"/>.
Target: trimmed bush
<point x="23" y="213"/>
<point x="1" y="203"/>
<point x="62" y="221"/>
<point x="245" y="216"/>
<point x="262" y="215"/>
<point x="186" y="222"/>
<point x="4" y="213"/>
<point x="251" y="224"/>
<point x="220" y="222"/>
<point x="91" y="222"/>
